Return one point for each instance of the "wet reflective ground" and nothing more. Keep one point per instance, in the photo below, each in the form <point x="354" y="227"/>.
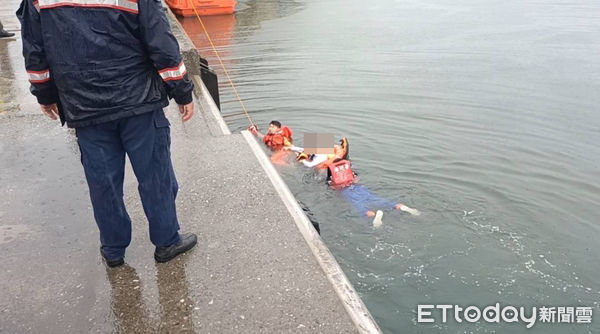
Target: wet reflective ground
<point x="235" y="281"/>
<point x="53" y="280"/>
<point x="483" y="115"/>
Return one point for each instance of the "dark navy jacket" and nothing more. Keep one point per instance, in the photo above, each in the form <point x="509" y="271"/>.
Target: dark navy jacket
<point x="102" y="60"/>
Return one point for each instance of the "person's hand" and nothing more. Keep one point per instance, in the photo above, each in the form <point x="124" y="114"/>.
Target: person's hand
<point x="51" y="110"/>
<point x="302" y="156"/>
<point x="187" y="111"/>
<point x="253" y="129"/>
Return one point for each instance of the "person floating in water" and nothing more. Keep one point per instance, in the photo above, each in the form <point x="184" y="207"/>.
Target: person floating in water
<point x="321" y="161"/>
<point x="340" y="176"/>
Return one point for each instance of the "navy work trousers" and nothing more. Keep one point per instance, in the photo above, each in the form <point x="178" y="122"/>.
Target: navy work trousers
<point x="146" y="140"/>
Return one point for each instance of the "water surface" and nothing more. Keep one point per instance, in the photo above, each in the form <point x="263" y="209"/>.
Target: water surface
<point x="483" y="115"/>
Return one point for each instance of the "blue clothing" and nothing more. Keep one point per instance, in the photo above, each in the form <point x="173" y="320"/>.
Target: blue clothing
<point x="146" y="140"/>
<point x="363" y="200"/>
<point x="101" y="61"/>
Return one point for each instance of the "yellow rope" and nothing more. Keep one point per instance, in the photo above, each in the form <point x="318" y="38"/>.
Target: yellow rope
<point x="222" y="65"/>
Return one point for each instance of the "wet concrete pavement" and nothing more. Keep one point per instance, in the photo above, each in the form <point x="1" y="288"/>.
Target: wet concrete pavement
<point x="252" y="271"/>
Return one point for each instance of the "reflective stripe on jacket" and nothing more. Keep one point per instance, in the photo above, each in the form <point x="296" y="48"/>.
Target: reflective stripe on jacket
<point x="102" y="60"/>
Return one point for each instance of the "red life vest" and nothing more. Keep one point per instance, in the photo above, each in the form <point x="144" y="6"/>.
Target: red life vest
<point x="341" y="174"/>
<point x="276" y="141"/>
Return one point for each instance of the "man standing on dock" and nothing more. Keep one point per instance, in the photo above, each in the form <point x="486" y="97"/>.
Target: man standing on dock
<point x="107" y="70"/>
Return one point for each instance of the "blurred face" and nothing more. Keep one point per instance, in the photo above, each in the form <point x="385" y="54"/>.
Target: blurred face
<point x="273" y="128"/>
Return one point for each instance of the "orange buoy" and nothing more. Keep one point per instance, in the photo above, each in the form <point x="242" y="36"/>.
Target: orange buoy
<point x="204" y="7"/>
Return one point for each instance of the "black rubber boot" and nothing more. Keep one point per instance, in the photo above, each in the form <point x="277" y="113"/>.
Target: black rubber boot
<point x="111" y="263"/>
<point x="4" y="33"/>
<point x="165" y="254"/>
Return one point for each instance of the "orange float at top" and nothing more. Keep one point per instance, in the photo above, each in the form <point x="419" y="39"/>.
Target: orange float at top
<point x="204" y="7"/>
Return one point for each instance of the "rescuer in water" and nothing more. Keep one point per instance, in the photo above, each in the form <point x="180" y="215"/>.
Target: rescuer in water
<point x="277" y="136"/>
<point x="340" y="176"/>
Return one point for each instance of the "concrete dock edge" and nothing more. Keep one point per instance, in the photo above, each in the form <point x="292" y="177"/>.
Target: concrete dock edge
<point x="352" y="302"/>
<point x="250" y="273"/>
<point x="211" y="106"/>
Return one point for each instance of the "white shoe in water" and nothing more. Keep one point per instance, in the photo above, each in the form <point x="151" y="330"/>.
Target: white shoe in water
<point x="412" y="211"/>
<point x="377" y="220"/>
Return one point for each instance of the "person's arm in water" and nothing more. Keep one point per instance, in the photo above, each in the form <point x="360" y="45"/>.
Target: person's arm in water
<point x="254" y="130"/>
<point x="294" y="148"/>
<point x="259" y="135"/>
<point x="316" y="160"/>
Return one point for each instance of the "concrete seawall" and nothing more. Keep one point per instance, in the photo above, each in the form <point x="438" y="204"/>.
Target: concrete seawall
<point x="259" y="266"/>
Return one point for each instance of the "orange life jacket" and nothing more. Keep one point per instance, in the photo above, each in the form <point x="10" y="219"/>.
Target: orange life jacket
<point x="277" y="140"/>
<point x="341" y="174"/>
